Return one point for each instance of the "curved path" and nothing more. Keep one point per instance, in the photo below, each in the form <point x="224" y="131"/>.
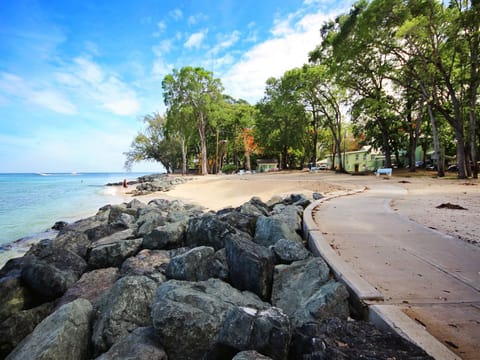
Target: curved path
<point x="431" y="277"/>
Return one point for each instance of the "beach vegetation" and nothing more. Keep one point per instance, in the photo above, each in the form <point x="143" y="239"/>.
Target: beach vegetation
<point x="193" y="92"/>
<point x="153" y="144"/>
<point x="395" y="76"/>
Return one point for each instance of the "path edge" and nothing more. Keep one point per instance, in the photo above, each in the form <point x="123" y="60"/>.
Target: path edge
<point x="365" y="300"/>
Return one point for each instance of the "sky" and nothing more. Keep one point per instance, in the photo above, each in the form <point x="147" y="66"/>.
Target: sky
<point x="77" y="76"/>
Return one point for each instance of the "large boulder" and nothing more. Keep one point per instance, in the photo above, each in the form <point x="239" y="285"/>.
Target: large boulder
<point x="251" y="266"/>
<point x="148" y="218"/>
<point x="341" y="339"/>
<point x="168" y="236"/>
<point x="266" y="331"/>
<point x="304" y="292"/>
<point x="52" y="272"/>
<point x="113" y="254"/>
<point x="151" y="263"/>
<point x="254" y="207"/>
<point x="14" y="296"/>
<point x="140" y="344"/>
<point x="288" y="251"/>
<point x="20" y="324"/>
<point x="242" y="221"/>
<point x="65" y="334"/>
<point x="125" y="307"/>
<point x="105" y="230"/>
<point x="189" y="315"/>
<point x="192" y="265"/>
<point x="291" y="214"/>
<point x="207" y="230"/>
<point x="91" y="286"/>
<point x="270" y="229"/>
<point x="75" y="241"/>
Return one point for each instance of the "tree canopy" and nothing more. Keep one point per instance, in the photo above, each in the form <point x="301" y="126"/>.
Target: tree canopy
<point x="399" y="74"/>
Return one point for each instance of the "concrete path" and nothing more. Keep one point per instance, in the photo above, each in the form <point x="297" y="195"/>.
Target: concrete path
<point x="433" y="278"/>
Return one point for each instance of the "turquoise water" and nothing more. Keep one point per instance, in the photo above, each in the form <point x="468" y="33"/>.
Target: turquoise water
<point x="32" y="203"/>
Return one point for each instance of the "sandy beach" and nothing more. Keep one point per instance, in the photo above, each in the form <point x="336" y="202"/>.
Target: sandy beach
<point x="419" y="202"/>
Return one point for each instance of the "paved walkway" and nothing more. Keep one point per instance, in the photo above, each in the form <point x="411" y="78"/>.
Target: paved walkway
<point x="433" y="278"/>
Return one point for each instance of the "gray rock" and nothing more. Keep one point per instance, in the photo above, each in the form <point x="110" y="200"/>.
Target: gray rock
<point x="20" y="324"/>
<point x="124" y="308"/>
<point x="192" y="265"/>
<point x="302" y="290"/>
<point x="104" y="230"/>
<point x="241" y="221"/>
<point x="189" y="315"/>
<point x="117" y="212"/>
<point x="65" y="334"/>
<point x="288" y="251"/>
<point x="207" y="230"/>
<point x="140" y="344"/>
<point x="218" y="267"/>
<point x="113" y="254"/>
<point x="91" y="286"/>
<point x="273" y="228"/>
<point x="148" y="219"/>
<point x="168" y="236"/>
<point x="147" y="262"/>
<point x="297" y="200"/>
<point x="75" y="241"/>
<point x="266" y="331"/>
<point x="291" y="215"/>
<point x="52" y="272"/>
<point x="317" y="196"/>
<point x="126" y="234"/>
<point x="251" y="266"/>
<point x="14" y="296"/>
<point x="250" y="355"/>
<point x="254" y="207"/>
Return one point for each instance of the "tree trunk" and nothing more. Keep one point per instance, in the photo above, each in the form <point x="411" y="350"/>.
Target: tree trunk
<point x="184" y="156"/>
<point x="315" y="138"/>
<point x="436" y="143"/>
<point x="203" y="144"/>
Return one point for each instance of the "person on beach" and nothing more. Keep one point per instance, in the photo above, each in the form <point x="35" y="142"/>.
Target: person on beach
<point x="125" y="183"/>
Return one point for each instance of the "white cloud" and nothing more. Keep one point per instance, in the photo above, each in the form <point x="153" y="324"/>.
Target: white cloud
<point x="87" y="80"/>
<point x="294" y="37"/>
<point x="226" y="41"/>
<point x="176" y="14"/>
<point x="195" y="19"/>
<point x="35" y="93"/>
<point x="195" y="40"/>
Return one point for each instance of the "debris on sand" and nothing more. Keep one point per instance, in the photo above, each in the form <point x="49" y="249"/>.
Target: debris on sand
<point x="450" y="206"/>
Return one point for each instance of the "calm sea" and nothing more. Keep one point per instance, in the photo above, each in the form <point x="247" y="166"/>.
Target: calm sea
<point x="31" y="203"/>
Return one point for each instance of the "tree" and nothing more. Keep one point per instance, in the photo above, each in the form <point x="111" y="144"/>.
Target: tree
<point x="351" y="49"/>
<point x="152" y="144"/>
<point x="193" y="91"/>
<point x="281" y="121"/>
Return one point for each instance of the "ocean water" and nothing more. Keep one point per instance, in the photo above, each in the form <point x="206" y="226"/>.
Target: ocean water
<point x="31" y="203"/>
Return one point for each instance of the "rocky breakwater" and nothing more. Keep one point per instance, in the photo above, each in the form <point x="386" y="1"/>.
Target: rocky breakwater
<point x="157" y="183"/>
<point x="168" y="280"/>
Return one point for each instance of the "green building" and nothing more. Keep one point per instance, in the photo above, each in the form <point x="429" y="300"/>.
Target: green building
<point x="364" y="160"/>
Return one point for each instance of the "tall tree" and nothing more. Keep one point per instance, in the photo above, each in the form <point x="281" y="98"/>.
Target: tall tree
<point x="152" y="144"/>
<point x="281" y="121"/>
<point x="193" y="91"/>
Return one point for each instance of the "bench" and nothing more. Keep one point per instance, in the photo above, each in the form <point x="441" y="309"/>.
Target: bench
<point x="384" y="171"/>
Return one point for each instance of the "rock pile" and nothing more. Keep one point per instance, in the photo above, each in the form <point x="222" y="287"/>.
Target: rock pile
<point x="167" y="280"/>
<point x="158" y="182"/>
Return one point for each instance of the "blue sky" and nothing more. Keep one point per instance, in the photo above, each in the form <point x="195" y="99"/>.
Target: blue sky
<point x="76" y="77"/>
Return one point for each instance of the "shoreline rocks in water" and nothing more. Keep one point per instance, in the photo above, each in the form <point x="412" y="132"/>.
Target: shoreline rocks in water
<point x="149" y="184"/>
<point x="168" y="280"/>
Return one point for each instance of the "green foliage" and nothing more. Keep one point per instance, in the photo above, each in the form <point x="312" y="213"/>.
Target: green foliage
<point x="229" y="168"/>
<point x="152" y="144"/>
